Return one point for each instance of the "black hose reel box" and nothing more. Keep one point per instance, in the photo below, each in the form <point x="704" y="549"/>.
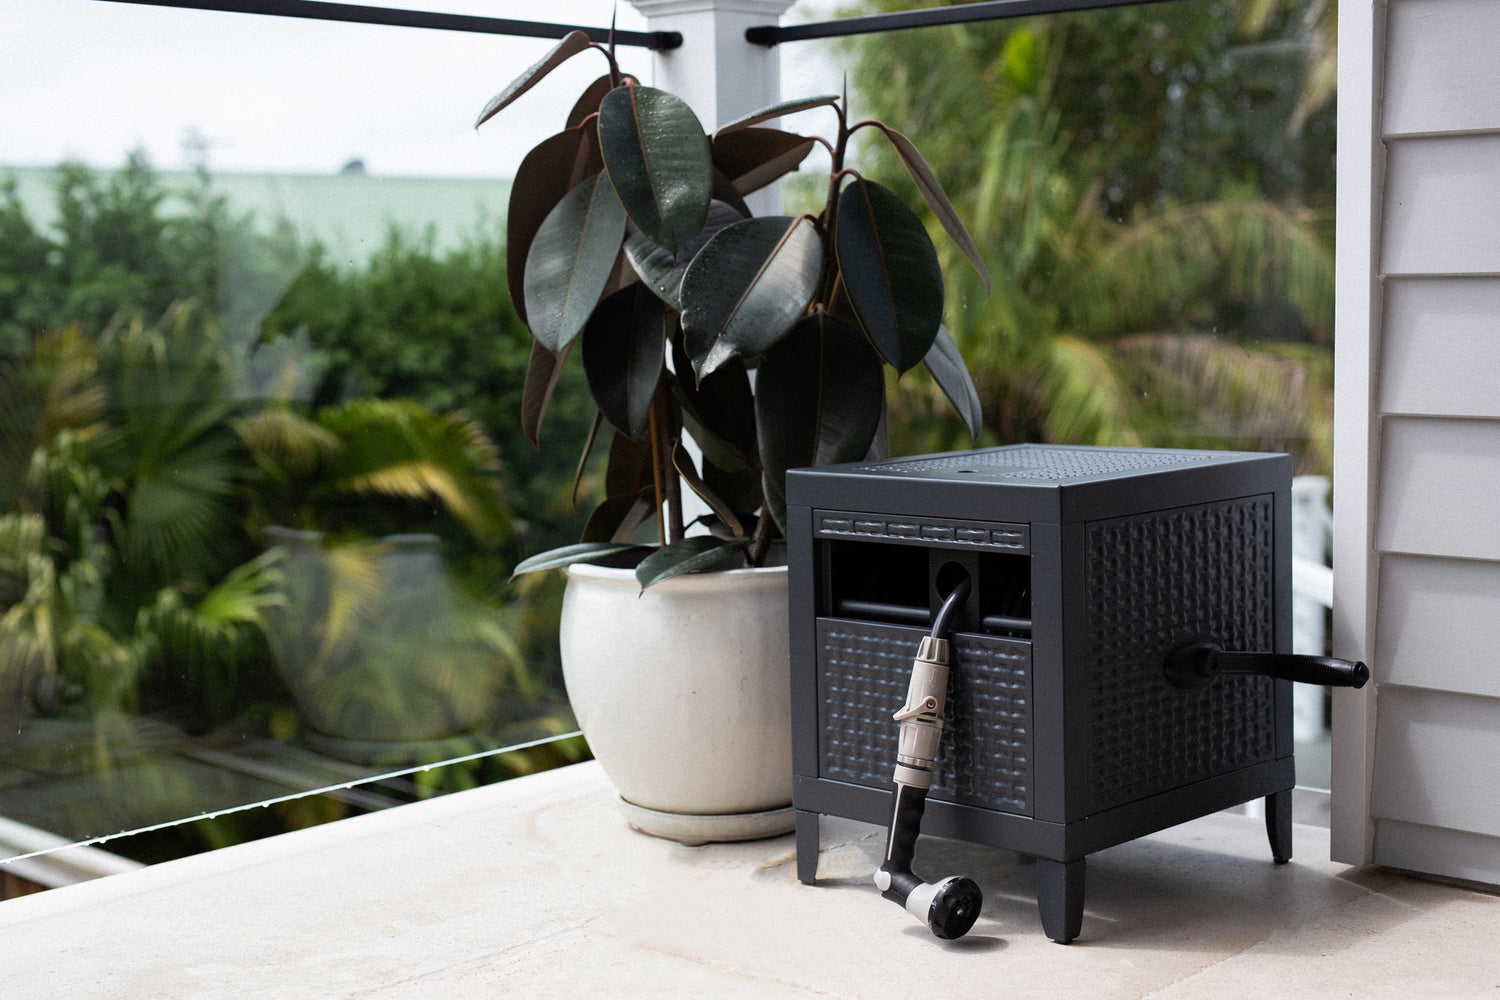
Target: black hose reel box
<point x="1089" y="567"/>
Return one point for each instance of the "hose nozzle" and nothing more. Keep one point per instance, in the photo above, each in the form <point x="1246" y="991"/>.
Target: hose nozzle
<point x="949" y="906"/>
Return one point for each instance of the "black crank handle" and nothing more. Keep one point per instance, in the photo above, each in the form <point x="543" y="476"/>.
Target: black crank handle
<point x="1197" y="663"/>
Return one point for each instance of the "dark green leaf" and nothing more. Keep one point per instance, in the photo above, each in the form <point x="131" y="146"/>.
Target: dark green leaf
<point x="683" y="463"/>
<point x="623" y="350"/>
<point x="738" y="489"/>
<point x="569" y="554"/>
<point x="542" y="372"/>
<point x="937" y="200"/>
<point x="890" y="271"/>
<point x="547" y="173"/>
<point x="588" y="102"/>
<point x="774" y="488"/>
<point x="775" y="111"/>
<point x="719" y="412"/>
<point x="583" y="456"/>
<point x="754" y="157"/>
<point x="573" y="43"/>
<point x="657" y="156"/>
<point x="629" y="469"/>
<point x="617" y="519"/>
<point x="725" y="191"/>
<point x="571" y="261"/>
<point x="661" y="269"/>
<point x="946" y="365"/>
<point x="818" y="398"/>
<point x="685" y="556"/>
<point x="747" y="288"/>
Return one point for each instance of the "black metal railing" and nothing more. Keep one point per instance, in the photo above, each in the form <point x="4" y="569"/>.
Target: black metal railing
<point x="320" y="11"/>
<point x="658" y="41"/>
<point x="995" y="10"/>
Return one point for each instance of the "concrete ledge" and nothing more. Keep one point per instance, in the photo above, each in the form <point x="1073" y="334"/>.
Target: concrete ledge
<point x="536" y="887"/>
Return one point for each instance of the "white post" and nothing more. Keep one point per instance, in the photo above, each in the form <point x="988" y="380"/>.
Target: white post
<point x="715" y="70"/>
<point x="720" y="75"/>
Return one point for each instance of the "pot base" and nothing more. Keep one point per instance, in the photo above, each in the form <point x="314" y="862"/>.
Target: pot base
<point x="387" y="753"/>
<point x="695" y="830"/>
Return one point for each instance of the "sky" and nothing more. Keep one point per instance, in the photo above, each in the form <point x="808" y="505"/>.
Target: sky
<point x="91" y="80"/>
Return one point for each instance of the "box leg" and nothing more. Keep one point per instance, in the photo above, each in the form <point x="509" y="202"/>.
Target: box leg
<point x="807" y="847"/>
<point x="1059" y="897"/>
<point x="1279" y="825"/>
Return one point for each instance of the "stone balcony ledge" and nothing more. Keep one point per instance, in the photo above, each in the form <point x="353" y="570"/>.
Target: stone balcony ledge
<point x="535" y="887"/>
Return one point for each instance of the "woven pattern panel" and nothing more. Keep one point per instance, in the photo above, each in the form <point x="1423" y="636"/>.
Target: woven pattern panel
<point x="1156" y="581"/>
<point x="985" y="756"/>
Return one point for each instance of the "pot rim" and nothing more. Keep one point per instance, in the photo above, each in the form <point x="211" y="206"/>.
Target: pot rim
<point x="622" y="576"/>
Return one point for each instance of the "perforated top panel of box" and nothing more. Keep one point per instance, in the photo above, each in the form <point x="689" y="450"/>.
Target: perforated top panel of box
<point x="1038" y="482"/>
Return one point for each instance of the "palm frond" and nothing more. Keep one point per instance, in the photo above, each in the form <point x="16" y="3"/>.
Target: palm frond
<point x="54" y="390"/>
<point x="1213" y="393"/>
<point x="1085" y="401"/>
<point x="399" y="448"/>
<point x="208" y="646"/>
<point x="1149" y="273"/>
<point x="285" y="443"/>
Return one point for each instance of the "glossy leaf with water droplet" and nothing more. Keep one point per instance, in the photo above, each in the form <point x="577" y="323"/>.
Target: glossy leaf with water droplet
<point x="657" y="156"/>
<point x="624" y="350"/>
<point x="937" y="199"/>
<point x="548" y="172"/>
<point x="890" y="272"/>
<point x="571" y="261"/>
<point x="748" y="287"/>
<point x="660" y="268"/>
<point x="572" y="43"/>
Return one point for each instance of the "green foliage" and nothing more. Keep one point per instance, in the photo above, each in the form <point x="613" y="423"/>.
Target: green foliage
<point x="126" y="517"/>
<point x="124" y="246"/>
<point x="1152" y="189"/>
<point x="140" y="461"/>
<point x="437" y="330"/>
<point x="851" y="285"/>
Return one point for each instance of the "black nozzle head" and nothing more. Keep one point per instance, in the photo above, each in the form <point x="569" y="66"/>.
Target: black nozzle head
<point x="955" y="907"/>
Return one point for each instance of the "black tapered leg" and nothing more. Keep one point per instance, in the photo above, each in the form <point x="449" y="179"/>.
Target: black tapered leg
<point x="1279" y="825"/>
<point x="1059" y="897"/>
<point x="807" y="846"/>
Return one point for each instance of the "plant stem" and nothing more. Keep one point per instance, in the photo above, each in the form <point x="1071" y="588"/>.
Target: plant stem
<point x="760" y="541"/>
<point x="666" y="433"/>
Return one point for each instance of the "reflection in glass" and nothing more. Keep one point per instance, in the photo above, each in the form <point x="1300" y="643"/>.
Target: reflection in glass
<point x="261" y="476"/>
<point x="261" y="481"/>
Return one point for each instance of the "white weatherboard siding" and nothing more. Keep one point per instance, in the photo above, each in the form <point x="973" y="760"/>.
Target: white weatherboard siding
<point x="1441" y="349"/>
<point x="1419" y="444"/>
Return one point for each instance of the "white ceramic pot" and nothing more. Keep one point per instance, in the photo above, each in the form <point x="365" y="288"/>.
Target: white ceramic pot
<point x="684" y="695"/>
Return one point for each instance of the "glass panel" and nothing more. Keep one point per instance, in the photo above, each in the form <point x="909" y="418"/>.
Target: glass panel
<point x="1152" y="190"/>
<point x="261" y="477"/>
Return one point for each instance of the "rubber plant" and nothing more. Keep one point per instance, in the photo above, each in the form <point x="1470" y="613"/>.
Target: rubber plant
<point x="630" y="243"/>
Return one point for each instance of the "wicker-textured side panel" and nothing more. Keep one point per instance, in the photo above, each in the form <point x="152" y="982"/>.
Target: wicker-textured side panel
<point x="1156" y="581"/>
<point x="985" y="756"/>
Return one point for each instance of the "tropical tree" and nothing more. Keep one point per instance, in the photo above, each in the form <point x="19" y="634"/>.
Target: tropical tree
<point x="1139" y="298"/>
<point x="132" y="567"/>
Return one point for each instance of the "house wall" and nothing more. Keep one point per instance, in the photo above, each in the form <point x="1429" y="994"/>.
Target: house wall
<point x="1417" y="487"/>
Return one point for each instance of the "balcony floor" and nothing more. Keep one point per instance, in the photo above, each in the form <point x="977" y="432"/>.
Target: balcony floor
<point x="535" y="887"/>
